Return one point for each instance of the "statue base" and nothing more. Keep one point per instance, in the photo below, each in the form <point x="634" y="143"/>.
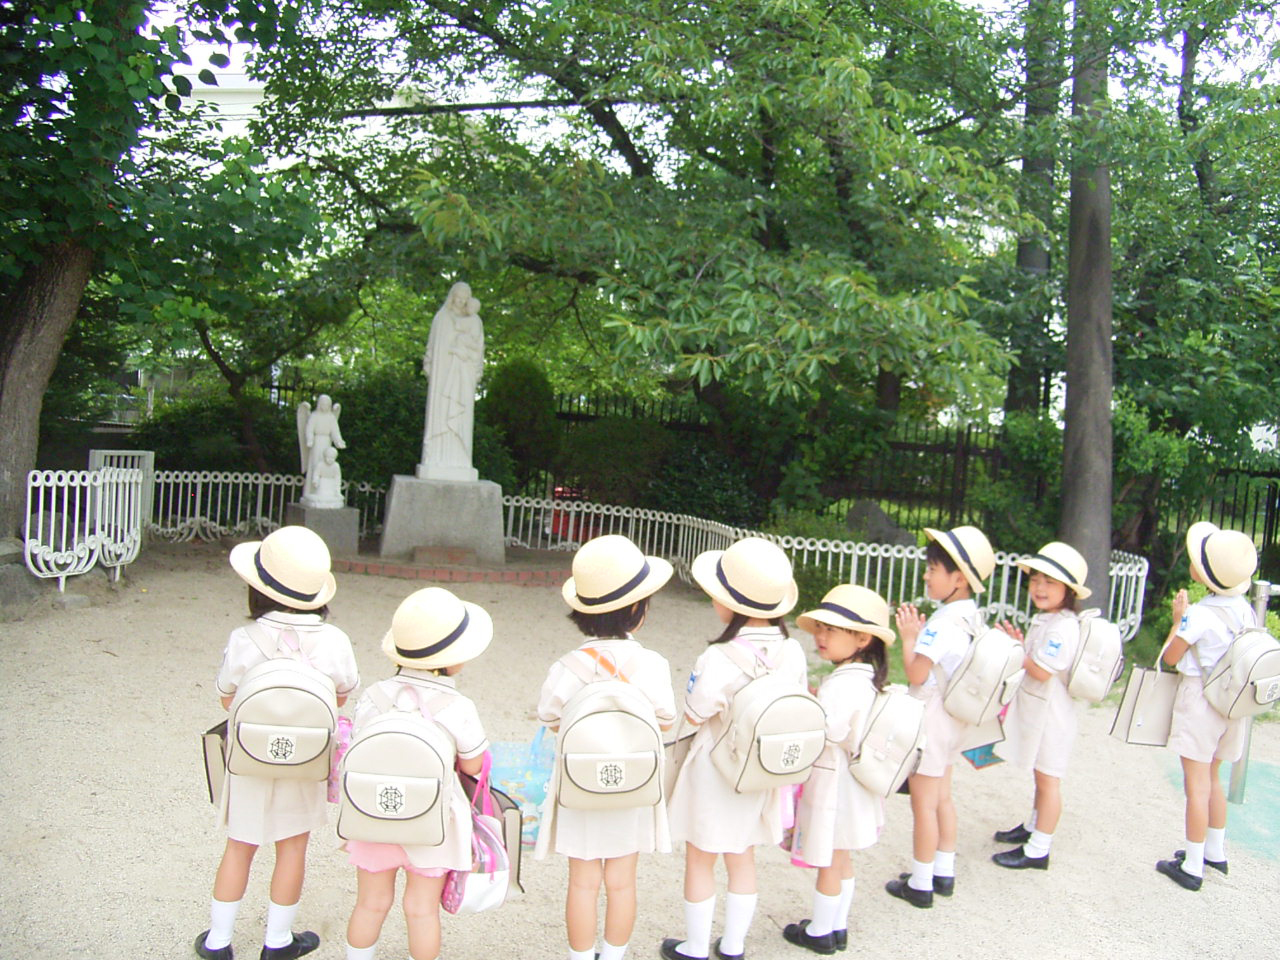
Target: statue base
<point x="456" y="474"/>
<point x="443" y="513"/>
<point x="339" y="528"/>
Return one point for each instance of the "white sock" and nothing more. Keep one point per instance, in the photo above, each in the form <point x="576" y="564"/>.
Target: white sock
<point x="944" y="863"/>
<point x="588" y="954"/>
<point x="825" y="910"/>
<point x="361" y="953"/>
<point x="222" y="923"/>
<point x="279" y="924"/>
<point x="1194" y="862"/>
<point x="921" y="876"/>
<point x="1215" y="844"/>
<point x="846" y="904"/>
<point x="1038" y="845"/>
<point x="1030" y="822"/>
<point x="609" y="952"/>
<point x="739" y="908"/>
<point x="697" y="927"/>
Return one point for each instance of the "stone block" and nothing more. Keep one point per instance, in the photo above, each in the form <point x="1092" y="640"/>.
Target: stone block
<point x="338" y="528"/>
<point x="444" y="514"/>
<point x="870" y="524"/>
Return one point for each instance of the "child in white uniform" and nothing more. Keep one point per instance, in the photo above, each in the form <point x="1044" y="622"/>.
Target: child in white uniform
<point x="1040" y="726"/>
<point x="751" y="589"/>
<point x="836" y="814"/>
<point x="956" y="564"/>
<point x="609" y="595"/>
<point x="433" y="633"/>
<point x="1224" y="561"/>
<point x="289" y="588"/>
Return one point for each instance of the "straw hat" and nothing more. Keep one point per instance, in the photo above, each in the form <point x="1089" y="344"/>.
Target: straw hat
<point x="290" y="565"/>
<point x="433" y="628"/>
<point x="1062" y="562"/>
<point x="969" y="548"/>
<point x="753" y="577"/>
<point x="610" y="573"/>
<point x="851" y="607"/>
<point x="1224" y="560"/>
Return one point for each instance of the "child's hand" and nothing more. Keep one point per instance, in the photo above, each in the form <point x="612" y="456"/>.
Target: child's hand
<point x="1011" y="630"/>
<point x="909" y="621"/>
<point x="1179" y="607"/>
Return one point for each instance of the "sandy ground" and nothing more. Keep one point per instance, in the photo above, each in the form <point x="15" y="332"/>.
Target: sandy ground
<point x="111" y="847"/>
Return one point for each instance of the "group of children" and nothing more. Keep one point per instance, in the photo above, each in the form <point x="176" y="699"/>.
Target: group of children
<point x="751" y="589"/>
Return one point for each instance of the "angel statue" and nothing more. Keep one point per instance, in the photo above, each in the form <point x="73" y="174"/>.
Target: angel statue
<point x="318" y="435"/>
<point x="453" y="362"/>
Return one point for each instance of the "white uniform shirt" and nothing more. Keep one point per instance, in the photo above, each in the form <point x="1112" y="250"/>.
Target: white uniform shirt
<point x="944" y="639"/>
<point x="459" y="719"/>
<point x="1205" y="629"/>
<point x="716" y="678"/>
<point x="1052" y="641"/>
<point x="327" y="648"/>
<point x="646" y="670"/>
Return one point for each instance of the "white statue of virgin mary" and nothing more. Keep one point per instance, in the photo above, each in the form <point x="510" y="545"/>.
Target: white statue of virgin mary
<point x="453" y="362"/>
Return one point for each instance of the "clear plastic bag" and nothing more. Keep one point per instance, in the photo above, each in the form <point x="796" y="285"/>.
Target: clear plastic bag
<point x="522" y="770"/>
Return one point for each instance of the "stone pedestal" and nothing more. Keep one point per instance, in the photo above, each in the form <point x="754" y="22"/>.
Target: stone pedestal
<point x="338" y="528"/>
<point x="443" y="513"/>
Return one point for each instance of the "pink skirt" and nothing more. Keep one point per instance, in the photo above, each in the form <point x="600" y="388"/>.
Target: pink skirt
<point x="380" y="857"/>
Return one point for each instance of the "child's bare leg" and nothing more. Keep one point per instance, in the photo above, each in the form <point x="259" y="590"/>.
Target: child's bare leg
<point x="1195" y="780"/>
<point x="1048" y="802"/>
<point x="422" y="915"/>
<point x="699" y="874"/>
<point x="580" y="903"/>
<point x="291" y="866"/>
<point x="741" y="868"/>
<point x="233" y="871"/>
<point x="375" y="892"/>
<point x="1217" y="798"/>
<point x="829" y="878"/>
<point x="946" y="814"/>
<point x="620" y="899"/>
<point x="925" y="792"/>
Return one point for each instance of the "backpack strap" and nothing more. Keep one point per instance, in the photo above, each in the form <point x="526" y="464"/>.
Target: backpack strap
<point x="288" y="639"/>
<point x="1233" y="630"/>
<point x="431" y="699"/>
<point x="747" y="657"/>
<point x="602" y="662"/>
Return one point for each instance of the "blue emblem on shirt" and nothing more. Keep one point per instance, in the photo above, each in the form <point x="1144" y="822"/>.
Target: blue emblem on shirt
<point x="1183" y="624"/>
<point x="693" y="678"/>
<point x="1053" y="647"/>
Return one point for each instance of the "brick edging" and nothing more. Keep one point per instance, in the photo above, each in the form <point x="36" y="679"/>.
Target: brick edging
<point x="403" y="571"/>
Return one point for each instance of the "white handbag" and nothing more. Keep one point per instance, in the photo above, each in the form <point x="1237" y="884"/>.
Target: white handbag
<point x="487" y="883"/>
<point x="1146" y="712"/>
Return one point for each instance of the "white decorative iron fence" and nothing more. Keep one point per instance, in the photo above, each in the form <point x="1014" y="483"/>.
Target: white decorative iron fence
<point x="894" y="572"/>
<point x="77" y="519"/>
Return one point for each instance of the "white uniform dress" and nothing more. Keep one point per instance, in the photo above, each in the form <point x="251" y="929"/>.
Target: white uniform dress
<point x="705" y="810"/>
<point x="255" y="809"/>
<point x="944" y="640"/>
<point x="1199" y="732"/>
<point x="836" y="812"/>
<point x="604" y="834"/>
<point x="461" y="721"/>
<point x="1040" y="726"/>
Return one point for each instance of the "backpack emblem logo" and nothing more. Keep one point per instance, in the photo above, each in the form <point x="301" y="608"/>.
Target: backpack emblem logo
<point x="610" y="775"/>
<point x="390" y="798"/>
<point x="791" y="755"/>
<point x="281" y="747"/>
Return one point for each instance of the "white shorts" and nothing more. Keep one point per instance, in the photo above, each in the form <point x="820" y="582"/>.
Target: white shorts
<point x="943" y="735"/>
<point x="1200" y="732"/>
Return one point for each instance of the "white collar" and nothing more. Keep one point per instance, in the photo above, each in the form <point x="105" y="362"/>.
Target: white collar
<point x="302" y="619"/>
<point x="427" y="676"/>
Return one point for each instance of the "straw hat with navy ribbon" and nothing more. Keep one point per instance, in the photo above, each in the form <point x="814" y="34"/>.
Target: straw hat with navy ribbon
<point x="853" y="608"/>
<point x="971" y="551"/>
<point x="610" y="573"/>
<point x="432" y="628"/>
<point x="1062" y="562"/>
<point x="753" y="577"/>
<point x="1224" y="559"/>
<point x="290" y="565"/>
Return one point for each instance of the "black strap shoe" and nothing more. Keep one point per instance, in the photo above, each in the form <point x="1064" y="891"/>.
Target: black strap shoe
<point x="798" y="933"/>
<point x="942" y="886"/>
<point x="1018" y="834"/>
<point x="1219" y="865"/>
<point x="668" y="950"/>
<point x="222" y="953"/>
<point x="1173" y="870"/>
<point x="841" y="938"/>
<point x="901" y="889"/>
<point x="303" y="943"/>
<point x="1017" y="859"/>
<point x="715" y="948"/>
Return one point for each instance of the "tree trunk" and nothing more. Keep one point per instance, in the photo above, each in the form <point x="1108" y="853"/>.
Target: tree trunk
<point x="1036" y="193"/>
<point x="1086" y="458"/>
<point x="35" y="315"/>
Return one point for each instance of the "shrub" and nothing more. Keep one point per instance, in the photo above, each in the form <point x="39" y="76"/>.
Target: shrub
<point x="520" y="406"/>
<point x="202" y="431"/>
<point x="615" y="459"/>
<point x="698" y="479"/>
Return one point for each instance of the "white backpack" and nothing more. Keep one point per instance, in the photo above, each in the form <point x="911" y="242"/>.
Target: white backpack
<point x="1099" y="658"/>
<point x="397" y="776"/>
<point x="891" y="744"/>
<point x="283" y="715"/>
<point x="986" y="679"/>
<point x="609" y="748"/>
<point x="775" y="729"/>
<point x="1246" y="679"/>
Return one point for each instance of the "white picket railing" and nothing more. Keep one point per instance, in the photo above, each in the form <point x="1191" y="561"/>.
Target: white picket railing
<point x="895" y="572"/>
<point x="77" y="519"/>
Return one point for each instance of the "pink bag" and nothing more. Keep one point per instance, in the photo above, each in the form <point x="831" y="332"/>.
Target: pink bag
<point x="485" y="885"/>
<point x="341" y="740"/>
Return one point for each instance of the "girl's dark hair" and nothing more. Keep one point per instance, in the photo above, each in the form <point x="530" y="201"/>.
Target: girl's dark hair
<point x="1070" y="601"/>
<point x="876" y="654"/>
<point x="615" y="623"/>
<point x="933" y="553"/>
<point x="738" y="621"/>
<point x="260" y="605"/>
